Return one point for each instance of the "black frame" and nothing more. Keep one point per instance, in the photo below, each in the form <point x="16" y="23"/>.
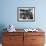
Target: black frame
<point x="29" y="12"/>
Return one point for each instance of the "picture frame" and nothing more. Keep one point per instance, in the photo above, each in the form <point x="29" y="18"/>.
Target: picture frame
<point x="26" y="14"/>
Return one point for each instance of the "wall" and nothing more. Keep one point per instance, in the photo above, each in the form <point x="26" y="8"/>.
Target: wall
<point x="8" y="9"/>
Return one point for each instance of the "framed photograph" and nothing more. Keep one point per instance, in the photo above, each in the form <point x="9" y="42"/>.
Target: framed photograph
<point x="26" y="14"/>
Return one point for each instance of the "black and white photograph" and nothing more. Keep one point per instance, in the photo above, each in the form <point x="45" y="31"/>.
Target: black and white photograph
<point x="26" y="14"/>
